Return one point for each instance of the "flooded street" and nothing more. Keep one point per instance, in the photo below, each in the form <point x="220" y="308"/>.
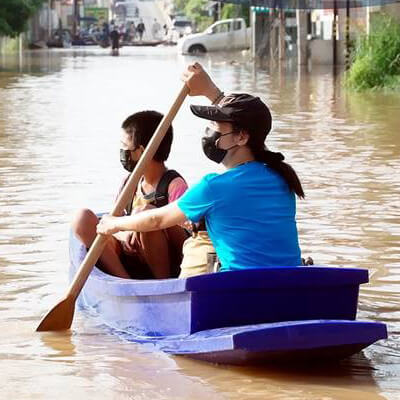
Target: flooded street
<point x="60" y="117"/>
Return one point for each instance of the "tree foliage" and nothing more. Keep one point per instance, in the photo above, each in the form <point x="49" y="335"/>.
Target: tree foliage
<point x="196" y="10"/>
<point x="236" y="11"/>
<point x="14" y="15"/>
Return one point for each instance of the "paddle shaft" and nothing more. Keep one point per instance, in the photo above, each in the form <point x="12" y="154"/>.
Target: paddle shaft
<point x="100" y="241"/>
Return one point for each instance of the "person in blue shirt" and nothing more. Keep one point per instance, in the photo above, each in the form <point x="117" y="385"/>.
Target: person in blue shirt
<point x="249" y="209"/>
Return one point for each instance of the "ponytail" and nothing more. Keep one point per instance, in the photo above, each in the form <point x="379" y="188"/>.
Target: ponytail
<point x="275" y="161"/>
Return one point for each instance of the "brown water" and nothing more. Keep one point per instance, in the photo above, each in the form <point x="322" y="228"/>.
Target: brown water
<point x="60" y="114"/>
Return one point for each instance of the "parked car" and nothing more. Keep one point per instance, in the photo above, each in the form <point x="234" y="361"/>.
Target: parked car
<point x="227" y="34"/>
<point x="182" y="26"/>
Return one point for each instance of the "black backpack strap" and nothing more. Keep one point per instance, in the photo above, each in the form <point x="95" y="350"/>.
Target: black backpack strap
<point x="161" y="195"/>
<point x="128" y="208"/>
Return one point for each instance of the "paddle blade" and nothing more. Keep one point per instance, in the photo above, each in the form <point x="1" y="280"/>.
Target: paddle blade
<point x="59" y="318"/>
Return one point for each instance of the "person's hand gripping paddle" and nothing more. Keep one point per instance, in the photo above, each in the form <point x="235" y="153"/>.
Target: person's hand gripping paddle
<point x="61" y="315"/>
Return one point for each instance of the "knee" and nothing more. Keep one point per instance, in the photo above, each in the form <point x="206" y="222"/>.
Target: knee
<point x="83" y="222"/>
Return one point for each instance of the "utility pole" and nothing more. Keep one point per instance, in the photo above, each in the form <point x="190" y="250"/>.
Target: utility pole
<point x="301" y="18"/>
<point x="347" y="34"/>
<point x="282" y="34"/>
<point x="76" y="18"/>
<point x="334" y="33"/>
<point x="49" y="19"/>
<point x="253" y="31"/>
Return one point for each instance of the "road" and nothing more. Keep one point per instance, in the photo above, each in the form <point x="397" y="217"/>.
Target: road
<point x="148" y="11"/>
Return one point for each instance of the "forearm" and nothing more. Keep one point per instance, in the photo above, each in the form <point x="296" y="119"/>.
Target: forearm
<point x="200" y="83"/>
<point x="145" y="221"/>
<point x="213" y="93"/>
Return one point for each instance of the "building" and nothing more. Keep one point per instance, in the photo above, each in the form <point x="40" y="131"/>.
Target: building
<point x="323" y="36"/>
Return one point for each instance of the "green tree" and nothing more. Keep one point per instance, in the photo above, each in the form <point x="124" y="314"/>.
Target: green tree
<point x="236" y="11"/>
<point x="197" y="11"/>
<point x="14" y="15"/>
<point x="179" y="6"/>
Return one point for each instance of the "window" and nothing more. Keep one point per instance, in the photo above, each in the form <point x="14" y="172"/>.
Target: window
<point x="237" y="25"/>
<point x="221" y="28"/>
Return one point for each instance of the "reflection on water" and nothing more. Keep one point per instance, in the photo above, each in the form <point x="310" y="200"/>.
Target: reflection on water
<point x="60" y="113"/>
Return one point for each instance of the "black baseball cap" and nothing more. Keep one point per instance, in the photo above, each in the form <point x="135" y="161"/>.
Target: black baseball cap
<point x="242" y="109"/>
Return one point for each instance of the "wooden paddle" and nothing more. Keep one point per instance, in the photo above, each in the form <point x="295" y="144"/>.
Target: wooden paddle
<point x="61" y="315"/>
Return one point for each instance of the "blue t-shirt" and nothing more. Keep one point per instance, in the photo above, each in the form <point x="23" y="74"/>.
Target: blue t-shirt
<point x="250" y="216"/>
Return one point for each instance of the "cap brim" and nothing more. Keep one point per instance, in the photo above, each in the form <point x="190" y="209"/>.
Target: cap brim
<point x="211" y="113"/>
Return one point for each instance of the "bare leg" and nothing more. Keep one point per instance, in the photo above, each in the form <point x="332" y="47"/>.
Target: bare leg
<point x="155" y="250"/>
<point x="162" y="250"/>
<point x="176" y="236"/>
<point x="84" y="227"/>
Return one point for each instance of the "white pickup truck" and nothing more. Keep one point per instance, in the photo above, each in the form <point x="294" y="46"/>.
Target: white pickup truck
<point x="226" y="34"/>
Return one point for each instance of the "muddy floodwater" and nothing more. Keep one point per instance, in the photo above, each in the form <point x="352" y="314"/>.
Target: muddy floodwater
<point x="60" y="113"/>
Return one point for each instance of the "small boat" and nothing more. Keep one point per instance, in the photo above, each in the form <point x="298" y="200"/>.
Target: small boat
<point x="144" y="43"/>
<point x="38" y="45"/>
<point x="240" y="317"/>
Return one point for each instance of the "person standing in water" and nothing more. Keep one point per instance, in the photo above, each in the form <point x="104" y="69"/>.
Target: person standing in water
<point x="115" y="36"/>
<point x="156" y="29"/>
<point x="140" y="28"/>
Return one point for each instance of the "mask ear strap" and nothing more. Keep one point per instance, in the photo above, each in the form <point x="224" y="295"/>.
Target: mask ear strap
<point x="232" y="147"/>
<point x="222" y="135"/>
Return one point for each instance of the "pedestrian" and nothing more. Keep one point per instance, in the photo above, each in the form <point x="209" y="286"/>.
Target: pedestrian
<point x="250" y="209"/>
<point x="140" y="28"/>
<point x="156" y="29"/>
<point x="133" y="32"/>
<point x="130" y="32"/>
<point x="115" y="36"/>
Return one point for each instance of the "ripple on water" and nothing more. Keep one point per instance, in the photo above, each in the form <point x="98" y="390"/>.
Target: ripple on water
<point x="60" y="114"/>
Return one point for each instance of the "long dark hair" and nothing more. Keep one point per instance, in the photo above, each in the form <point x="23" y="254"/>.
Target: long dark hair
<point x="275" y="161"/>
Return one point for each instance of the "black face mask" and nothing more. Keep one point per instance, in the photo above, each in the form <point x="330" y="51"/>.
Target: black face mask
<point x="125" y="156"/>
<point x="210" y="145"/>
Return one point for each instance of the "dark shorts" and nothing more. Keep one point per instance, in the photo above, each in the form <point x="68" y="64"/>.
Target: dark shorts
<point x="134" y="263"/>
<point x="136" y="268"/>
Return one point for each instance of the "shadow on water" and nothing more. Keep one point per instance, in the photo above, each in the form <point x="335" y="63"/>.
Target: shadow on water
<point x="342" y="380"/>
<point x="183" y="378"/>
